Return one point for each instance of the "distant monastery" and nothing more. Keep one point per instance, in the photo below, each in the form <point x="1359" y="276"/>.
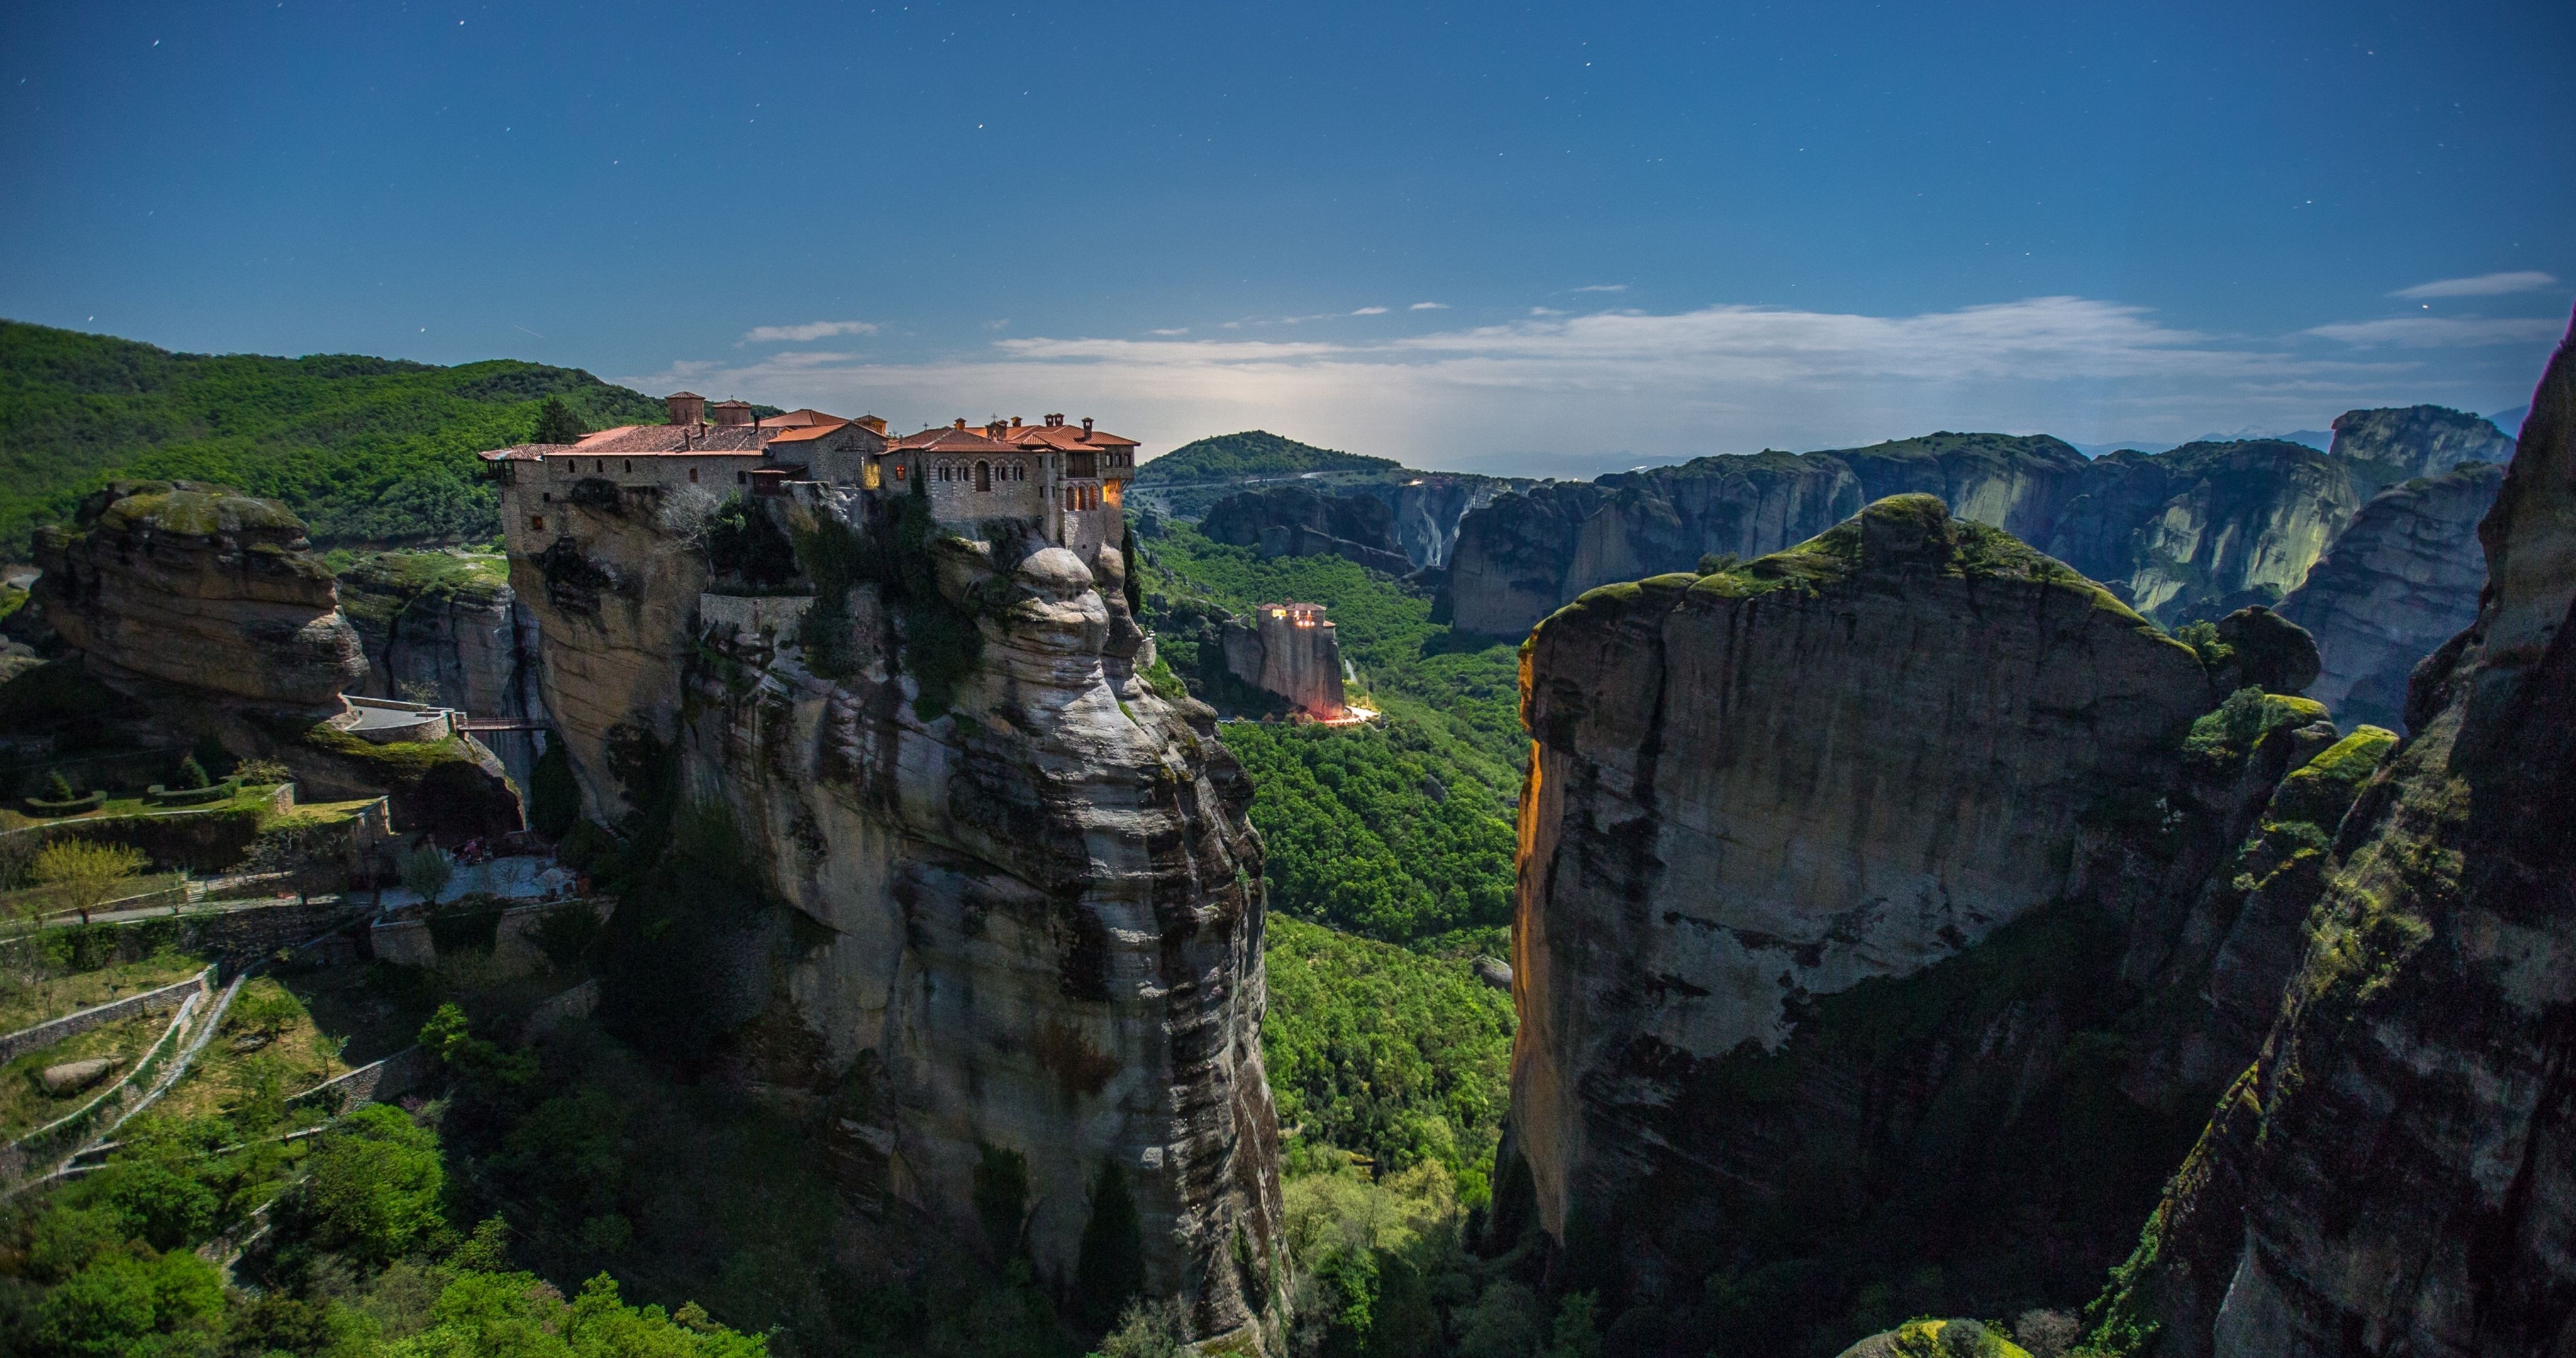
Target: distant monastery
<point x="1069" y="479"/>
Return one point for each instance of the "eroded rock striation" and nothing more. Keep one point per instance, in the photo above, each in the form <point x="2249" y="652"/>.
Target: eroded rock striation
<point x="2399" y="581"/>
<point x="197" y="586"/>
<point x="2402" y="443"/>
<point x="450" y="630"/>
<point x="1022" y="915"/>
<point x="1871" y="896"/>
<point x="2194" y="532"/>
<point x="2397" y="1173"/>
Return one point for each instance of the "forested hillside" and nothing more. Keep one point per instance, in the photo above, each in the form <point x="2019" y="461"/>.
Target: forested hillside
<point x="1254" y="452"/>
<point x="363" y="449"/>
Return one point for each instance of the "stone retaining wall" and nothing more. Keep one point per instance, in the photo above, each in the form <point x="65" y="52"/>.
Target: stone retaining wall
<point x="51" y="1031"/>
<point x="391" y="1078"/>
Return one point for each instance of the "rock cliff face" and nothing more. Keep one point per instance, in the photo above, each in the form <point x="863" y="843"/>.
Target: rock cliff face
<point x="206" y="606"/>
<point x="1758" y="797"/>
<point x="1523" y="555"/>
<point x="2400" y="580"/>
<point x="197" y="586"/>
<point x="1025" y="904"/>
<point x="450" y="628"/>
<point x="2397" y="1174"/>
<point x="2405" y="442"/>
<point x="1892" y="903"/>
<point x="1294" y="521"/>
<point x="1289" y="650"/>
<point x="2198" y="531"/>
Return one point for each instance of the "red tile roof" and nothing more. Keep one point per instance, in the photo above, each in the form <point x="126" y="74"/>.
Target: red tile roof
<point x="797" y="419"/>
<point x="954" y="440"/>
<point x="644" y="440"/>
<point x="805" y="433"/>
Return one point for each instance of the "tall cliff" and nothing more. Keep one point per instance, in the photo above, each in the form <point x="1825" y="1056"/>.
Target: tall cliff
<point x="196" y="586"/>
<point x="2397" y="1173"/>
<point x="2405" y="442"/>
<point x="1886" y="905"/>
<point x="449" y="629"/>
<point x="1012" y="936"/>
<point x="207" y="607"/>
<point x="2400" y="580"/>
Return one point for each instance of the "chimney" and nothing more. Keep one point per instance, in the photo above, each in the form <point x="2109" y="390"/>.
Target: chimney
<point x="1015" y="421"/>
<point x="875" y="424"/>
<point x="1054" y="420"/>
<point x="959" y="423"/>
<point x="687" y="407"/>
<point x="1086" y="429"/>
<point x="733" y="412"/>
<point x="993" y="427"/>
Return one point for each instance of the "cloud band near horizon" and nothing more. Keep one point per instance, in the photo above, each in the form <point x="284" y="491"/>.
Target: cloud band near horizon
<point x="1574" y="394"/>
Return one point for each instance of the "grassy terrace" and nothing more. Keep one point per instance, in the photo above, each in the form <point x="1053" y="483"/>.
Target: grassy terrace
<point x="268" y="1050"/>
<point x="26" y="1002"/>
<point x="24" y="1104"/>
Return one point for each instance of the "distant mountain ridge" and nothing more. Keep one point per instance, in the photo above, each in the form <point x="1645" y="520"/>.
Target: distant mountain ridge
<point x="1253" y="452"/>
<point x="2191" y="531"/>
<point x="363" y="449"/>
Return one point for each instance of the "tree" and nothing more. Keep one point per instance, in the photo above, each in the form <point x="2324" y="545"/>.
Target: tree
<point x="111" y="1308"/>
<point x="374" y="1186"/>
<point x="554" y="797"/>
<point x="300" y="845"/>
<point x="87" y="872"/>
<point x="57" y="787"/>
<point x="426" y="872"/>
<point x="556" y="423"/>
<point x="192" y="775"/>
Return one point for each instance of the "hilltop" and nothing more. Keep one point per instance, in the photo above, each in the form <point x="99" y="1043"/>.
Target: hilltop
<point x="1254" y="452"/>
<point x="362" y="449"/>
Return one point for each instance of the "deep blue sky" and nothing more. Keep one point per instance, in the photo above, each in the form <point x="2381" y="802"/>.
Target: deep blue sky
<point x="1829" y="220"/>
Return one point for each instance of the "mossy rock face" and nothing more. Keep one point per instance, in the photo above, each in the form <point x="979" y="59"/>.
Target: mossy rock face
<point x="448" y="788"/>
<point x="190" y="508"/>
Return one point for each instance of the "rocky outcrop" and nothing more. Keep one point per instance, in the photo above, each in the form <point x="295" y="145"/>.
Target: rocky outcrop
<point x="198" y="586"/>
<point x="2203" y="529"/>
<point x="1014" y="954"/>
<point x="1892" y="903"/>
<point x="1821" y="856"/>
<point x="2400" y="580"/>
<point x="1524" y="555"/>
<point x="448" y="629"/>
<point x="1292" y="651"/>
<point x="1427" y="507"/>
<point x="2194" y="532"/>
<point x="2406" y="442"/>
<point x="1294" y="521"/>
<point x="2394" y="1176"/>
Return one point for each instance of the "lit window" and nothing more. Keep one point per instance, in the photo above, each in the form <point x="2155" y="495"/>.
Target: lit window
<point x="536" y="523"/>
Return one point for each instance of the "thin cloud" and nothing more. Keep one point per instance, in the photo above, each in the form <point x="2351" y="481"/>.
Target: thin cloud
<point x="2483" y="285"/>
<point x="1601" y="287"/>
<point x="1370" y="311"/>
<point x="1545" y="311"/>
<point x="1175" y="330"/>
<point x="1428" y="306"/>
<point x="2440" y="332"/>
<point x="807" y="333"/>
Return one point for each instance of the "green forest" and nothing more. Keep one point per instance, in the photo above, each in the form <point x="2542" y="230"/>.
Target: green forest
<point x="364" y="450"/>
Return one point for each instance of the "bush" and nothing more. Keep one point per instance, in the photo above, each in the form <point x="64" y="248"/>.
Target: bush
<point x="116" y="1307"/>
<point x="262" y="773"/>
<point x="191" y="775"/>
<point x="373" y="1186"/>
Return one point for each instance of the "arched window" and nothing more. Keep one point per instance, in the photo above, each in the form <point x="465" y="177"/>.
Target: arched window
<point x="983" y="476"/>
<point x="943" y="471"/>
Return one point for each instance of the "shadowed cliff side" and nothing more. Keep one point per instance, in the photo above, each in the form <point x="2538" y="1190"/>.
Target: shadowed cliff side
<point x="989" y="910"/>
<point x="2397" y="1173"/>
<point x="1886" y="908"/>
<point x="2400" y="580"/>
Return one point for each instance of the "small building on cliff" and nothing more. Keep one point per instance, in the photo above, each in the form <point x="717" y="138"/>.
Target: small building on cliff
<point x="1290" y="649"/>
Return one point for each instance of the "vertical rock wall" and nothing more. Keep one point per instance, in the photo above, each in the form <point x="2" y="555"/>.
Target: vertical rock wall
<point x="1756" y="791"/>
<point x="1031" y="921"/>
<point x="2397" y="1174"/>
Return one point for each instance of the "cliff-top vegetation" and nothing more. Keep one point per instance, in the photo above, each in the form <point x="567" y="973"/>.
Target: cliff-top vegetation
<point x="363" y="449"/>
